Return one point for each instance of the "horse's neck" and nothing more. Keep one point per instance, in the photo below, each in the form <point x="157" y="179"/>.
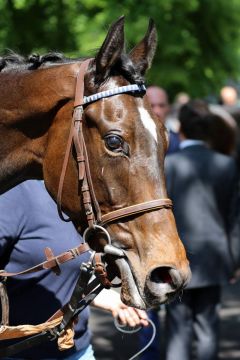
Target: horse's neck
<point x="29" y="102"/>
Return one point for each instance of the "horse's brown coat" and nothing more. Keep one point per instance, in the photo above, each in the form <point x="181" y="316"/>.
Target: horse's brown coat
<point x="35" y="116"/>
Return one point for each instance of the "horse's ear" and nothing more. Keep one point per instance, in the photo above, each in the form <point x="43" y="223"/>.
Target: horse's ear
<point x="142" y="54"/>
<point x="111" y="49"/>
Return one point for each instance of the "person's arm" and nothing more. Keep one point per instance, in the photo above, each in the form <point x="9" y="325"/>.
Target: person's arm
<point x="109" y="300"/>
<point x="11" y="218"/>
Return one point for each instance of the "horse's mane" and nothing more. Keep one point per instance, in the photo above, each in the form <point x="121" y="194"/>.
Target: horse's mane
<point x="13" y="60"/>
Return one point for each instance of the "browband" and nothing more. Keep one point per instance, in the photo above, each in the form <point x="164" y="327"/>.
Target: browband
<point x="115" y="91"/>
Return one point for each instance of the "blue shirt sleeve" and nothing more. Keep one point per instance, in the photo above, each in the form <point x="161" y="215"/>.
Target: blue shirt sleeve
<point x="11" y="218"/>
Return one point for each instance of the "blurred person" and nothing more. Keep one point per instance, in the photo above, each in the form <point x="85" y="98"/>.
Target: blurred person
<point x="201" y="184"/>
<point x="181" y="99"/>
<point x="159" y="102"/>
<point x="158" y="99"/>
<point x="172" y="118"/>
<point x="29" y="223"/>
<point x="223" y="131"/>
<point x="228" y="96"/>
<point x="231" y="104"/>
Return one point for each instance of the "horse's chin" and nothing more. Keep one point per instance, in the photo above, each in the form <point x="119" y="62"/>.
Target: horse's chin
<point x="130" y="294"/>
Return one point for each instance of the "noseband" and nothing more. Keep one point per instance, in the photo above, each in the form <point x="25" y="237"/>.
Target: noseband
<point x="76" y="138"/>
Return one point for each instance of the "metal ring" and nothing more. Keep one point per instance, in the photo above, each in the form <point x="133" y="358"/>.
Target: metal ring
<point x="90" y="229"/>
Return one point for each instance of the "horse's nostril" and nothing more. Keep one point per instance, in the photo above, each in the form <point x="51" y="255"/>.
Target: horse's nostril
<point x="161" y="275"/>
<point x="163" y="283"/>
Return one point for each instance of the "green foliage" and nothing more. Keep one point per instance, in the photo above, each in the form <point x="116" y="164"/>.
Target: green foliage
<point x="199" y="40"/>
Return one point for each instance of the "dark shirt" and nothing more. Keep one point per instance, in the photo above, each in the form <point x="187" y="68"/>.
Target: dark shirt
<point x="174" y="142"/>
<point x="202" y="185"/>
<point x="29" y="223"/>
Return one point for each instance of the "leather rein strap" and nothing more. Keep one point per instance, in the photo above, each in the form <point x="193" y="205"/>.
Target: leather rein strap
<point x="76" y="138"/>
<point x="53" y="262"/>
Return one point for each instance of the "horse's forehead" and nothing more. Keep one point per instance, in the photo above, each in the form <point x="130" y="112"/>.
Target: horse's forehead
<point x="136" y="111"/>
<point x="130" y="107"/>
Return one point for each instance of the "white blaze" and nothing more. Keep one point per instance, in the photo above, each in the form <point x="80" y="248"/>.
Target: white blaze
<point x="148" y="122"/>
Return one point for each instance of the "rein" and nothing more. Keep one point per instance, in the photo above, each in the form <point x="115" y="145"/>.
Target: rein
<point x="85" y="290"/>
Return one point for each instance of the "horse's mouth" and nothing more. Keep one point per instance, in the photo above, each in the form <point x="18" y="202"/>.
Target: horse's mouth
<point x="131" y="293"/>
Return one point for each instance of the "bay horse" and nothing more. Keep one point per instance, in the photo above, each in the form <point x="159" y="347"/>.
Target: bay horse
<point x="125" y="145"/>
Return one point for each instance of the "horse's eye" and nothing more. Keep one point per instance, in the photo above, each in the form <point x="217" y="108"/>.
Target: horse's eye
<point x="114" y="142"/>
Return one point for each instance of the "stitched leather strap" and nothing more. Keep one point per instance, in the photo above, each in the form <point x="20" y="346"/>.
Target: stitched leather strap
<point x="76" y="138"/>
<point x="80" y="83"/>
<point x="52" y="262"/>
<point x="77" y="115"/>
<point x="136" y="209"/>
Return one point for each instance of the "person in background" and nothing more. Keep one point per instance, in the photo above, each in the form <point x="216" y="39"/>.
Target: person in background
<point x="224" y="131"/>
<point x="228" y="96"/>
<point x="181" y="99"/>
<point x="202" y="185"/>
<point x="159" y="102"/>
<point x="230" y="103"/>
<point x="29" y="222"/>
<point x="158" y="99"/>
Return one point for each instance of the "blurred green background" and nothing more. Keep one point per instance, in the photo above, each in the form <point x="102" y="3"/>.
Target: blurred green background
<point x="199" y="40"/>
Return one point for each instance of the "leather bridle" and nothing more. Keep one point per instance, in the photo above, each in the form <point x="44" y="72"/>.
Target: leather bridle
<point x="86" y="289"/>
<point x="76" y="138"/>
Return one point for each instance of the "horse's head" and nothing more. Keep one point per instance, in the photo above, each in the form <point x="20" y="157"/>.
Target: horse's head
<point x="126" y="145"/>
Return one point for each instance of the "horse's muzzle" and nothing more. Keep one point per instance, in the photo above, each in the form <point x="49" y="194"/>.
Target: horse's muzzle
<point x="164" y="283"/>
<point x="161" y="285"/>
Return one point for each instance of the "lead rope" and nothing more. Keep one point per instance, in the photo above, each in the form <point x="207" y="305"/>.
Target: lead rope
<point x="123" y="329"/>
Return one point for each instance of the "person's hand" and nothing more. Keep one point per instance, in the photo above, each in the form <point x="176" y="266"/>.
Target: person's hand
<point x="110" y="300"/>
<point x="129" y="316"/>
